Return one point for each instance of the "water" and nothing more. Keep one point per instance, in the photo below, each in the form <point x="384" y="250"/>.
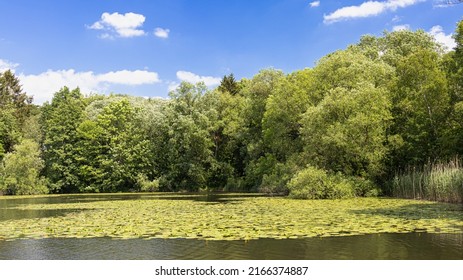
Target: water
<point x="385" y="246"/>
<point x="416" y="246"/>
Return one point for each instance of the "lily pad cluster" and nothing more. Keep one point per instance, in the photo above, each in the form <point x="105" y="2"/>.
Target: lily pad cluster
<point x="243" y="218"/>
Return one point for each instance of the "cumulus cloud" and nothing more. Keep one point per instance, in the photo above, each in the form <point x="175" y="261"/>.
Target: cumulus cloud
<point x="445" y="39"/>
<point x="122" y="25"/>
<point x="367" y="9"/>
<point x="132" y="78"/>
<point x="314" y="4"/>
<point x="44" y="85"/>
<point x="161" y="33"/>
<point x="401" y="27"/>
<point x="7" y="65"/>
<point x="193" y="78"/>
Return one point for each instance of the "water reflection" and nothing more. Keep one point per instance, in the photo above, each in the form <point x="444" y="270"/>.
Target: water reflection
<point x="378" y="246"/>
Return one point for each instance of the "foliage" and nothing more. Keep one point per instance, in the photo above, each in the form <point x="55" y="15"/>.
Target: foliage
<point x="12" y="95"/>
<point x="112" y="150"/>
<point x="420" y="107"/>
<point x="15" y="108"/>
<point x="187" y="144"/>
<point x="282" y="119"/>
<point x="146" y="185"/>
<point x="20" y="170"/>
<point x="229" y="85"/>
<point x="256" y="93"/>
<point x="9" y="130"/>
<point x="420" y="100"/>
<point x="60" y="120"/>
<point x="346" y="132"/>
<point x="276" y="178"/>
<point x="314" y="183"/>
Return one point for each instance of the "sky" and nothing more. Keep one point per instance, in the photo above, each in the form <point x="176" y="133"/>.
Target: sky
<point x="147" y="47"/>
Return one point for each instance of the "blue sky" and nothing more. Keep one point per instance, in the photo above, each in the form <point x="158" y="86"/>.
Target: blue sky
<point x="147" y="47"/>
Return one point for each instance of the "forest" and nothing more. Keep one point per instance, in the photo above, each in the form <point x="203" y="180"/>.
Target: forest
<point x="381" y="117"/>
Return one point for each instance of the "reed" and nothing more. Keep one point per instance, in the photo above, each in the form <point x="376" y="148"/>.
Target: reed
<point x="442" y="181"/>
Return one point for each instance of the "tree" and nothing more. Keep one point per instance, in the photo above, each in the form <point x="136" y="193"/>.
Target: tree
<point x="229" y="84"/>
<point x="256" y="93"/>
<point x="15" y="108"/>
<point x="188" y="143"/>
<point x="20" y="170"/>
<point x="419" y="94"/>
<point x="281" y="123"/>
<point x="9" y="130"/>
<point x="346" y="132"/>
<point x="112" y="150"/>
<point x="420" y="107"/>
<point x="60" y="120"/>
<point x="11" y="94"/>
<point x="452" y="64"/>
<point x="393" y="46"/>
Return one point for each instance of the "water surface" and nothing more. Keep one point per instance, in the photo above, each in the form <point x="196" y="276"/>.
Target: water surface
<point x="410" y="246"/>
<point x="415" y="246"/>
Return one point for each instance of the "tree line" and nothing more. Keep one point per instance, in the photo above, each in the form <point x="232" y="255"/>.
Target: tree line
<point x="342" y="128"/>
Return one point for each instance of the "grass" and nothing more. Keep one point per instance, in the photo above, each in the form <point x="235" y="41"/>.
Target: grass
<point x="241" y="218"/>
<point x="438" y="182"/>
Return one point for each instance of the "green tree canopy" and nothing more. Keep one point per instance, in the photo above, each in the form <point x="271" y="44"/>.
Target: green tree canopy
<point x="20" y="170"/>
<point x="60" y="120"/>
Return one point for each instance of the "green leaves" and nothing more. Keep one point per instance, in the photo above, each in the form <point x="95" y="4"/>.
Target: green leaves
<point x="113" y="150"/>
<point x="346" y="131"/>
<point x="60" y="121"/>
<point x="20" y="170"/>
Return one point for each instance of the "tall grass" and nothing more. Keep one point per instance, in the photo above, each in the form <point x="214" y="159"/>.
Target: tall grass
<point x="437" y="181"/>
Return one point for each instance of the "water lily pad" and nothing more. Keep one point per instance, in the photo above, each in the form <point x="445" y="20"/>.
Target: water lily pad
<point x="246" y="218"/>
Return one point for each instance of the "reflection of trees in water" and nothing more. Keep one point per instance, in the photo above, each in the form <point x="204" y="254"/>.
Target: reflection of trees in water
<point x="412" y="246"/>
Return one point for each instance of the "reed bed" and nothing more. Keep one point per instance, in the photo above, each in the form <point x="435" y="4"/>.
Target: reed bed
<point x="442" y="181"/>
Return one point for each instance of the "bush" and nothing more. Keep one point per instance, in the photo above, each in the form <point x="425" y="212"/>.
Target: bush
<point x="314" y="183"/>
<point x="276" y="181"/>
<point x="363" y="187"/>
<point x="146" y="185"/>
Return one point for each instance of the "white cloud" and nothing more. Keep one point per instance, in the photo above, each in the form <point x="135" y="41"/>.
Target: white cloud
<point x="133" y="78"/>
<point x="367" y="9"/>
<point x="401" y="27"/>
<point x="161" y="33"/>
<point x="396" y="19"/>
<point x="44" y="85"/>
<point x="123" y="25"/>
<point x="7" y="65"/>
<point x="314" y="4"/>
<point x="446" y="40"/>
<point x="193" y="78"/>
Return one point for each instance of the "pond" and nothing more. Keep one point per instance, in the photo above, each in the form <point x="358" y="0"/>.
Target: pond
<point x="226" y="226"/>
